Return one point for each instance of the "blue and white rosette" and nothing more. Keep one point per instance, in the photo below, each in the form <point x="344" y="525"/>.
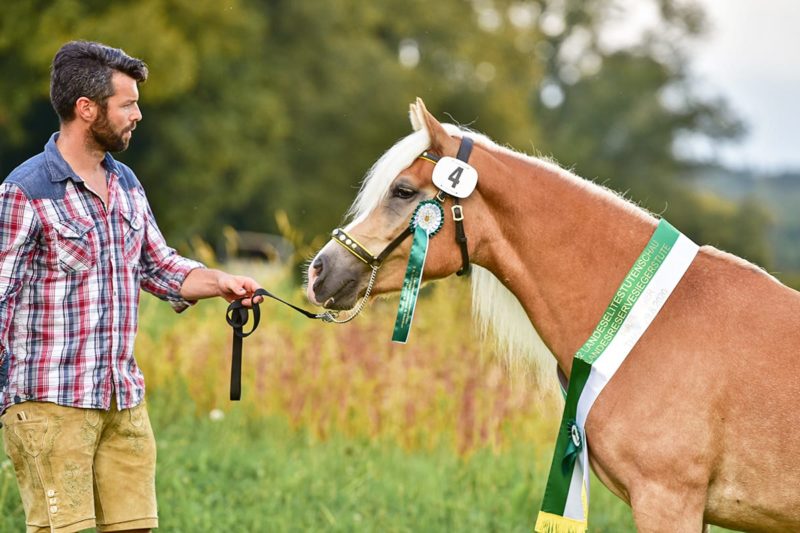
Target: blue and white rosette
<point x="427" y="220"/>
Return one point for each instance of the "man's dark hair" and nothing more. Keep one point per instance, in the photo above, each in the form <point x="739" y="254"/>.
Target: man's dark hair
<point x="84" y="68"/>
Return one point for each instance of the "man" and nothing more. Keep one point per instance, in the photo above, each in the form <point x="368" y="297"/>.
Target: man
<point x="77" y="242"/>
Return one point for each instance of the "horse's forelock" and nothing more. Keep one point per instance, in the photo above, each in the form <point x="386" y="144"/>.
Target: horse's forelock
<point x="377" y="180"/>
<point x="385" y="170"/>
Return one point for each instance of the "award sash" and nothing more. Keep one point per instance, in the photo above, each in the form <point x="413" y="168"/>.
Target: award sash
<point x="643" y="292"/>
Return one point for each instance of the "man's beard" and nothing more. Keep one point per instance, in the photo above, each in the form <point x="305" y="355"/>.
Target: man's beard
<point x="105" y="136"/>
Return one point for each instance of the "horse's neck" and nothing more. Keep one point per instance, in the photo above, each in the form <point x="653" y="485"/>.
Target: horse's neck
<point x="566" y="245"/>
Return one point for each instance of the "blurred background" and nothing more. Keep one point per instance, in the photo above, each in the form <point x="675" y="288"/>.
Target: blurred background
<point x="256" y="108"/>
<point x="260" y="119"/>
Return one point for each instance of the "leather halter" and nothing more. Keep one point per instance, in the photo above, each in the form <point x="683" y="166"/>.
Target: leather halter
<point x="341" y="237"/>
<point x="238" y="315"/>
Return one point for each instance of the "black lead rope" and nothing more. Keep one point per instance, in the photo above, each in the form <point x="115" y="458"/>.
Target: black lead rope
<point x="238" y="316"/>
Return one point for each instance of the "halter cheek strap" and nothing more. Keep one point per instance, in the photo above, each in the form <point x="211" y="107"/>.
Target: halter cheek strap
<point x="464" y="151"/>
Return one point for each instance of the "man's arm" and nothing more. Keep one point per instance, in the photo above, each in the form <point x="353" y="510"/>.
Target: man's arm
<point x="182" y="281"/>
<point x="163" y="270"/>
<point x="18" y="227"/>
<point x="207" y="283"/>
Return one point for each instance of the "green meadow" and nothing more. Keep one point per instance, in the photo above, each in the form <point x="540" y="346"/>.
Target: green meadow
<point x="338" y="428"/>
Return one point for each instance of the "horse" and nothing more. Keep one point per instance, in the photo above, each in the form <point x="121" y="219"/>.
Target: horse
<point x="697" y="425"/>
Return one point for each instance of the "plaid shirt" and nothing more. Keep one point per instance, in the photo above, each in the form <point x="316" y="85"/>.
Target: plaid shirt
<point x="70" y="274"/>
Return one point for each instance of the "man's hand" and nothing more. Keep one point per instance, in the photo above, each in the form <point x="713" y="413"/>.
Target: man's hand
<point x="207" y="283"/>
<point x="236" y="287"/>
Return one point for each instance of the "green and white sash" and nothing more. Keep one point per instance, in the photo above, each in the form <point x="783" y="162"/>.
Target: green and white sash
<point x="636" y="303"/>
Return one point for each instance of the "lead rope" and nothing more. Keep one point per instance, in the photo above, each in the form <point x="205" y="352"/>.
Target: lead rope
<point x="238" y="316"/>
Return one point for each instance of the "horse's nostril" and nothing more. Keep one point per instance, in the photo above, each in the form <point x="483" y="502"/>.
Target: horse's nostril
<point x="318" y="265"/>
<point x="317" y="286"/>
<point x="319" y="272"/>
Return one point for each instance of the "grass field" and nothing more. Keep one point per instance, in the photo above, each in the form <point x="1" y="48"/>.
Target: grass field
<point x="339" y="429"/>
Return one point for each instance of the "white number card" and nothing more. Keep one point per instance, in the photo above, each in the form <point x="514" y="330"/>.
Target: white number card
<point x="455" y="177"/>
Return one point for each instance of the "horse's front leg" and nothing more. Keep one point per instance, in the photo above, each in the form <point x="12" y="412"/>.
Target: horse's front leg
<point x="661" y="509"/>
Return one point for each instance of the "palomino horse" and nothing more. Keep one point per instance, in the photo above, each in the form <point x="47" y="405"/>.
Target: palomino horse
<point x="696" y="426"/>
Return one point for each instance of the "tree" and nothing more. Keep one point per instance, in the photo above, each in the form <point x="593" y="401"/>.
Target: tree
<point x="211" y="125"/>
<point x="617" y="115"/>
<point x="260" y="106"/>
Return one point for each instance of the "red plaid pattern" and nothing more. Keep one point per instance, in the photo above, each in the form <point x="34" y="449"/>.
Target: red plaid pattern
<point x="70" y="274"/>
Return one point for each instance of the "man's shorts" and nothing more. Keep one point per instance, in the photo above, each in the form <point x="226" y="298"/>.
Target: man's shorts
<point x="82" y="468"/>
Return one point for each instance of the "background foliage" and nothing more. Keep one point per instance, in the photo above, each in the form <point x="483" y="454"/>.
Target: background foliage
<point x="255" y="106"/>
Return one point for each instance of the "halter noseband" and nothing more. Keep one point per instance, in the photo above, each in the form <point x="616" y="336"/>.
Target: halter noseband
<point x="341" y="237"/>
<point x="361" y="252"/>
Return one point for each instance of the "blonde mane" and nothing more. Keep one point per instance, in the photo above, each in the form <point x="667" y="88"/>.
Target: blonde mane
<point x="496" y="311"/>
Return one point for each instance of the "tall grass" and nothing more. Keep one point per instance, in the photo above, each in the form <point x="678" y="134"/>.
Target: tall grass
<point x="339" y="429"/>
<point x="443" y="388"/>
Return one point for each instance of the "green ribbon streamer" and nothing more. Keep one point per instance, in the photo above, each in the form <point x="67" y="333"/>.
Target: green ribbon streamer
<point x="557" y="487"/>
<point x="411" y="283"/>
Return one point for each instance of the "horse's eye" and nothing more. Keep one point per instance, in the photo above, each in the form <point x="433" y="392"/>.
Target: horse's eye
<point x="403" y="192"/>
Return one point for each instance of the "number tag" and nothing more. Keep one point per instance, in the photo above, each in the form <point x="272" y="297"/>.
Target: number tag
<point x="455" y="177"/>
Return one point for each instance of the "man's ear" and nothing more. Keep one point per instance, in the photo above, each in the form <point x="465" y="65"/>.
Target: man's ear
<point x="441" y="142"/>
<point x="86" y="109"/>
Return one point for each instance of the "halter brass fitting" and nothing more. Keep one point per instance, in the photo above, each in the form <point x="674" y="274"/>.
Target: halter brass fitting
<point x="353" y="246"/>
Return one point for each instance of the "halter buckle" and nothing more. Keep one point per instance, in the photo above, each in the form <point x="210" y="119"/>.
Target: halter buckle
<point x="458" y="213"/>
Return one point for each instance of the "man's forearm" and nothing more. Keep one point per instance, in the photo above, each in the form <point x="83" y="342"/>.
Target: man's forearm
<point x="201" y="283"/>
<point x="207" y="283"/>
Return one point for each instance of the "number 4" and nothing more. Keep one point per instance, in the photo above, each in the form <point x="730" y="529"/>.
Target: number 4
<point x="455" y="176"/>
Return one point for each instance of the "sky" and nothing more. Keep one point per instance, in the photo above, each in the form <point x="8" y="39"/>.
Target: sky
<point x="751" y="57"/>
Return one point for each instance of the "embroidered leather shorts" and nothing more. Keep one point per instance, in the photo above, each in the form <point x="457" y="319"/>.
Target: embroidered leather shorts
<point x="82" y="468"/>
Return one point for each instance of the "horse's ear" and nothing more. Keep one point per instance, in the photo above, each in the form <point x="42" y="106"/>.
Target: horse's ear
<point x="416" y="118"/>
<point x="422" y="119"/>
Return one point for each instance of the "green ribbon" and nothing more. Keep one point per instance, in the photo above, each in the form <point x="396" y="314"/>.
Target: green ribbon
<point x="411" y="283"/>
<point x="427" y="220"/>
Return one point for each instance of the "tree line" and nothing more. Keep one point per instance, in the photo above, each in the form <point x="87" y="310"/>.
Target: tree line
<point x="258" y="107"/>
